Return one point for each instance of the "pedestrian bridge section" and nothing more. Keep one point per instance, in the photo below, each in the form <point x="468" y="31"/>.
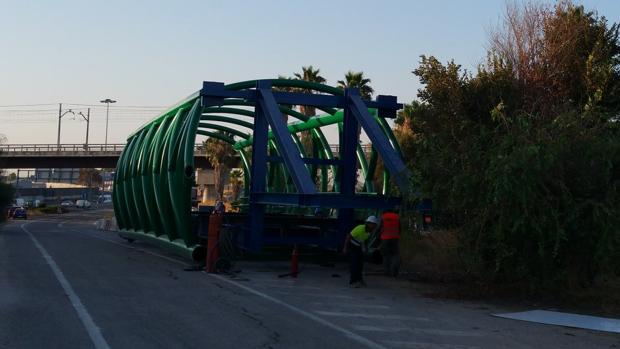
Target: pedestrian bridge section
<point x="285" y="164"/>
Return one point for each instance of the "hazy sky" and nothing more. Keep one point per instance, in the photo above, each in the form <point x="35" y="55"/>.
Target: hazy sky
<point x="147" y="54"/>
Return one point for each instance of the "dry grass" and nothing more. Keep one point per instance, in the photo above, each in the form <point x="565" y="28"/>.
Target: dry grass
<point x="433" y="259"/>
<point x="431" y="256"/>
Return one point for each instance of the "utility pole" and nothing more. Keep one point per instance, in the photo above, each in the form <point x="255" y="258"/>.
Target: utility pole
<point x="87" y="118"/>
<point x="107" y="115"/>
<point x="87" y="125"/>
<point x="60" y="115"/>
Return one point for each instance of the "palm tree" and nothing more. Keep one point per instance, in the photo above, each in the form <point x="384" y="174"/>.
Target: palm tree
<point x="236" y="182"/>
<point x="356" y="79"/>
<point x="309" y="74"/>
<point x="312" y="75"/>
<point x="221" y="156"/>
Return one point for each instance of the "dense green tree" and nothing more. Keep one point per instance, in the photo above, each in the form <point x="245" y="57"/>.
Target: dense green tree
<point x="90" y="177"/>
<point x="522" y="157"/>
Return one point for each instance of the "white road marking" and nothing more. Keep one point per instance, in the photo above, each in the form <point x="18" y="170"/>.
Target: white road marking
<point x="352" y="305"/>
<point x="276" y="285"/>
<point x="380" y="329"/>
<point x="371" y="316"/>
<point x="360" y="339"/>
<point x="424" y="345"/>
<point x="320" y="295"/>
<point x="417" y="330"/>
<point x="356" y="337"/>
<point x="93" y="330"/>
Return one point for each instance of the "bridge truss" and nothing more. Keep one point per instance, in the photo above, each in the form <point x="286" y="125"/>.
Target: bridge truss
<point x="155" y="172"/>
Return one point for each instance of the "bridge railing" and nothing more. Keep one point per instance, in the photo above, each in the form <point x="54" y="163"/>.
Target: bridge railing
<point x="40" y="148"/>
<point x="101" y="148"/>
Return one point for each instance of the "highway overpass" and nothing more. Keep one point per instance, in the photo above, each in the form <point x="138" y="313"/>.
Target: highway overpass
<point x="70" y="156"/>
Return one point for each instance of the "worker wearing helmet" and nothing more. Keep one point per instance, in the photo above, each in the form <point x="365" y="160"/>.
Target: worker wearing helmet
<point x="354" y="246"/>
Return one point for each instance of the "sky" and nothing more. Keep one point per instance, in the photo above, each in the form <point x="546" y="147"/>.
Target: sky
<point x="150" y="54"/>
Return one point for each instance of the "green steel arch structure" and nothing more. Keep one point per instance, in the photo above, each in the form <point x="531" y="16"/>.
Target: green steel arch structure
<point x="155" y="172"/>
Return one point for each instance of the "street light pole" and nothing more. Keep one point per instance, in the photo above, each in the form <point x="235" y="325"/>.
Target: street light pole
<point x="60" y="115"/>
<point x="87" y="119"/>
<point x="107" y="115"/>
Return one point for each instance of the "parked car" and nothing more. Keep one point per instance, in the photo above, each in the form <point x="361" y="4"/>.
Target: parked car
<point x="104" y="199"/>
<point x="20" y="212"/>
<point x="82" y="204"/>
<point x="66" y="204"/>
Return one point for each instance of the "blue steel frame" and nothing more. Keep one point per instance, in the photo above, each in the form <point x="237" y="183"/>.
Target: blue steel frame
<point x="267" y="115"/>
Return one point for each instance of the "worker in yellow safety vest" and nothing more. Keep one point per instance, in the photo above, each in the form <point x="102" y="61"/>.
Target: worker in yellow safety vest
<point x="354" y="247"/>
<point x="390" y="235"/>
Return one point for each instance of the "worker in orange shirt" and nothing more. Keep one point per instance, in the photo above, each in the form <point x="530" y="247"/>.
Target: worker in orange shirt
<point x="390" y="235"/>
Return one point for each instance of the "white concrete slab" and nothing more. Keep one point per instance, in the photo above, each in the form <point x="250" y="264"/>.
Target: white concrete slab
<point x="566" y="319"/>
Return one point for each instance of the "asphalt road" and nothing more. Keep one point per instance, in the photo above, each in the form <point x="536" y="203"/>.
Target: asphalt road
<point x="64" y="284"/>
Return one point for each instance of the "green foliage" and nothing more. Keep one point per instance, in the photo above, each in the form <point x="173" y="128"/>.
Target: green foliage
<point x="529" y="176"/>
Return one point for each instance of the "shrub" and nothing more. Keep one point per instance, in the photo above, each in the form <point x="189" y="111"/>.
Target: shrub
<point x="523" y="161"/>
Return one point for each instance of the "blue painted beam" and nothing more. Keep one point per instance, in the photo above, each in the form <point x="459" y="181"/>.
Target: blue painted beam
<point x="380" y="142"/>
<point x="340" y="201"/>
<point x="348" y="170"/>
<point x="213" y="92"/>
<point x="258" y="179"/>
<point x="288" y="150"/>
